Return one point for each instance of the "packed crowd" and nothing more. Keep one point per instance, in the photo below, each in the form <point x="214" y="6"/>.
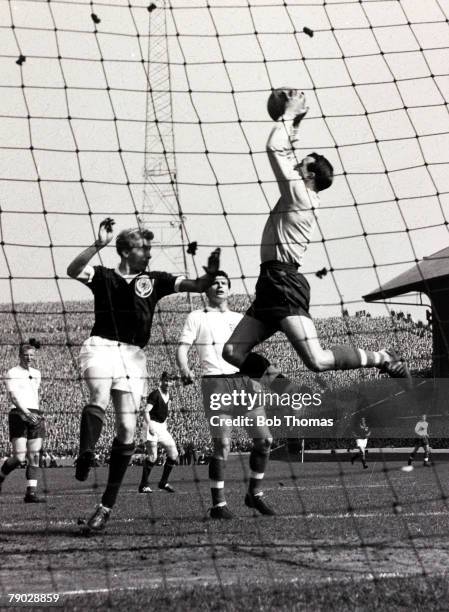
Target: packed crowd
<point x="63" y="393"/>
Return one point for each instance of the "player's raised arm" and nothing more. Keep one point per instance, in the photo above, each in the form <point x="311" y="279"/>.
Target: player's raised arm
<point x="202" y="283"/>
<point x="76" y="268"/>
<point x="290" y="106"/>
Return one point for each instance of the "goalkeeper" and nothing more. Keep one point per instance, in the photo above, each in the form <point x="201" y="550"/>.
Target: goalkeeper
<point x="282" y="292"/>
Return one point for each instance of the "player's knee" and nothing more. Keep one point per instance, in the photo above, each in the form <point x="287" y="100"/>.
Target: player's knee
<point x="232" y="354"/>
<point x="99" y="396"/>
<point x="315" y="362"/>
<point x="222" y="449"/>
<point x="20" y="456"/>
<point x="263" y="445"/>
<point x="100" y="400"/>
<point x="33" y="458"/>
<point x="125" y="433"/>
<point x="172" y="455"/>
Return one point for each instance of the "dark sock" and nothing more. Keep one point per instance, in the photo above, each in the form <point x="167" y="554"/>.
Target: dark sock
<point x="257" y="367"/>
<point x="258" y="460"/>
<point x="8" y="466"/>
<point x="216" y="476"/>
<point x="168" y="466"/>
<point x="92" y="419"/>
<point x="254" y="365"/>
<point x="146" y="471"/>
<point x="118" y="464"/>
<point x="32" y="472"/>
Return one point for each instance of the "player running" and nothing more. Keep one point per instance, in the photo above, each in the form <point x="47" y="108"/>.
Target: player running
<point x="112" y="360"/>
<point x="282" y="293"/>
<point x="209" y="329"/>
<point x="156" y="413"/>
<point x="361" y="434"/>
<point x="422" y="431"/>
<point x="26" y="423"/>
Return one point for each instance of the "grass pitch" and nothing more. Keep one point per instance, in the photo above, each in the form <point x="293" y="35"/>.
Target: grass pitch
<point x="344" y="539"/>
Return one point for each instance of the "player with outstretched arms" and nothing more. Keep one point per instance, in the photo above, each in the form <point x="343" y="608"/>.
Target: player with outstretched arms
<point x="282" y="292"/>
<point x="112" y="359"/>
<point x="209" y="329"/>
<point x="26" y="421"/>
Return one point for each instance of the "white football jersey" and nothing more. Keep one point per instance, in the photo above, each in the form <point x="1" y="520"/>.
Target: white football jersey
<point x="24" y="383"/>
<point x="209" y="330"/>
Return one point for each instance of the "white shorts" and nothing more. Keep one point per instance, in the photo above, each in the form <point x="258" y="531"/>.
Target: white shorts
<point x="361" y="443"/>
<point x="125" y="365"/>
<point x="159" y="434"/>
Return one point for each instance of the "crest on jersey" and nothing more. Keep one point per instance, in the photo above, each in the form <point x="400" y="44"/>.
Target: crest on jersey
<point x="144" y="286"/>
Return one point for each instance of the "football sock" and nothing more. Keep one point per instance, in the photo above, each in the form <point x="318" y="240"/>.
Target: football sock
<point x="92" y="420"/>
<point x="350" y="358"/>
<point x="216" y="478"/>
<point x="168" y="466"/>
<point x="118" y="464"/>
<point x="258" y="460"/>
<point x="146" y="471"/>
<point x="32" y="473"/>
<point x="8" y="466"/>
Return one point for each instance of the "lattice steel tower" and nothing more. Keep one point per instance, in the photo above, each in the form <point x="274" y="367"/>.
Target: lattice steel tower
<point x="161" y="210"/>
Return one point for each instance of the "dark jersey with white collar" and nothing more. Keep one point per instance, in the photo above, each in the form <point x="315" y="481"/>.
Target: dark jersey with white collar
<point x="124" y="310"/>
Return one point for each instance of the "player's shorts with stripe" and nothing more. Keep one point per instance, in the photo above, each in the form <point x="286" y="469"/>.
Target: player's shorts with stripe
<point x="281" y="291"/>
<point x="361" y="443"/>
<point x="124" y="365"/>
<point x="232" y="387"/>
<point x="159" y="434"/>
<point x="19" y="428"/>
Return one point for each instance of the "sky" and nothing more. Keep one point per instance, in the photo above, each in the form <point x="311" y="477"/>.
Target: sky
<point x="77" y="131"/>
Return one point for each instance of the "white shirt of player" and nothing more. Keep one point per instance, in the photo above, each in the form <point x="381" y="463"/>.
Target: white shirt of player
<point x="24" y="383"/>
<point x="289" y="228"/>
<point x="209" y="330"/>
<point x="421" y="428"/>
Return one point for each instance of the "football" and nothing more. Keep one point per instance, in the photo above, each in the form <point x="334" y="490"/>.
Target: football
<point x="276" y="103"/>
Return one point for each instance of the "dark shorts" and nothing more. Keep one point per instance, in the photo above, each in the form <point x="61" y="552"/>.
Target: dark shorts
<point x="214" y="387"/>
<point x="281" y="291"/>
<point x="422" y="442"/>
<point x="18" y="428"/>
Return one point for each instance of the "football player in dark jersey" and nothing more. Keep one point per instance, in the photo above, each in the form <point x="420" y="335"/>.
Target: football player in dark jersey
<point x="112" y="359"/>
<point x="156" y="433"/>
